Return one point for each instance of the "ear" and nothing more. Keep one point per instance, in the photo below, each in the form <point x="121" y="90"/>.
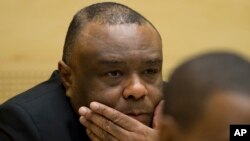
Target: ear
<point x="65" y="73"/>
<point x="168" y="129"/>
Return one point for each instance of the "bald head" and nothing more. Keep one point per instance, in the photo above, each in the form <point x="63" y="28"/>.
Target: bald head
<point x="106" y="13"/>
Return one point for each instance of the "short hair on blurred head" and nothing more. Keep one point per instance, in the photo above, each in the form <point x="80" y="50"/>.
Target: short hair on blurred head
<point x="194" y="81"/>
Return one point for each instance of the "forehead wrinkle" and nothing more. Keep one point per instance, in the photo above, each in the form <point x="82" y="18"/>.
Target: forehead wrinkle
<point x="111" y="62"/>
<point x="154" y="61"/>
<point x="116" y="61"/>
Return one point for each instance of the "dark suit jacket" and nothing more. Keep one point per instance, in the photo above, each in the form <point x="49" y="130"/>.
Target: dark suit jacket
<point x="42" y="113"/>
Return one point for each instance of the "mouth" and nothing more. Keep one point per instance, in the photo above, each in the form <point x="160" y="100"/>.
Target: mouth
<point x="142" y="117"/>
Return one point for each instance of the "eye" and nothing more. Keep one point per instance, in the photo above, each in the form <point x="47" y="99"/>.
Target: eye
<point x="151" y="71"/>
<point x="114" y="74"/>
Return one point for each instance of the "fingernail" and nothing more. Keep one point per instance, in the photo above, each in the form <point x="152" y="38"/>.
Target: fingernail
<point x="94" y="106"/>
<point x="83" y="111"/>
<point x="82" y="119"/>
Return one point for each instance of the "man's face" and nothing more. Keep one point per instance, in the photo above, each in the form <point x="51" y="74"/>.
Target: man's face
<point x="221" y="110"/>
<point x="120" y="66"/>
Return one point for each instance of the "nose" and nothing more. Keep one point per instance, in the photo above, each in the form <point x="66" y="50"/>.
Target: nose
<point x="135" y="89"/>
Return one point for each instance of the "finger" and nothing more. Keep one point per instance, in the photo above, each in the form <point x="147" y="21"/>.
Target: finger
<point x="157" y="115"/>
<point x="83" y="111"/>
<point x="115" y="116"/>
<point x="100" y="121"/>
<point x="92" y="136"/>
<point x="137" y="132"/>
<point x="95" y="131"/>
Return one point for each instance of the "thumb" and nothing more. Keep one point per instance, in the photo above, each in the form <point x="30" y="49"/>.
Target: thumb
<point x="157" y="115"/>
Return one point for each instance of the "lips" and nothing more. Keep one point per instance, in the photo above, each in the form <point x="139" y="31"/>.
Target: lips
<point x="142" y="117"/>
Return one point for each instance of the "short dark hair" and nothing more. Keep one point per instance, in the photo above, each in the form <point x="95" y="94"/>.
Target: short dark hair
<point x="193" y="82"/>
<point x="104" y="13"/>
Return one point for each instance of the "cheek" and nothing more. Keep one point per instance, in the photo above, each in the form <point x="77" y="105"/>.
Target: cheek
<point x="155" y="94"/>
<point x="81" y="95"/>
<point x="109" y="96"/>
<point x="82" y="90"/>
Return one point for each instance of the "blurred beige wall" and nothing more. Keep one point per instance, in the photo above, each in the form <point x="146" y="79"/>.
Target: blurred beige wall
<point x="32" y="33"/>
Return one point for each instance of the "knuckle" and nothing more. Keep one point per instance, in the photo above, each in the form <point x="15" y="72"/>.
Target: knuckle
<point x="116" y="117"/>
<point x="106" y="125"/>
<point x="119" y="119"/>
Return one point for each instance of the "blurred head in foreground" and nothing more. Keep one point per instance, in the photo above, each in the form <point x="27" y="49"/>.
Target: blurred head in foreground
<point x="204" y="96"/>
